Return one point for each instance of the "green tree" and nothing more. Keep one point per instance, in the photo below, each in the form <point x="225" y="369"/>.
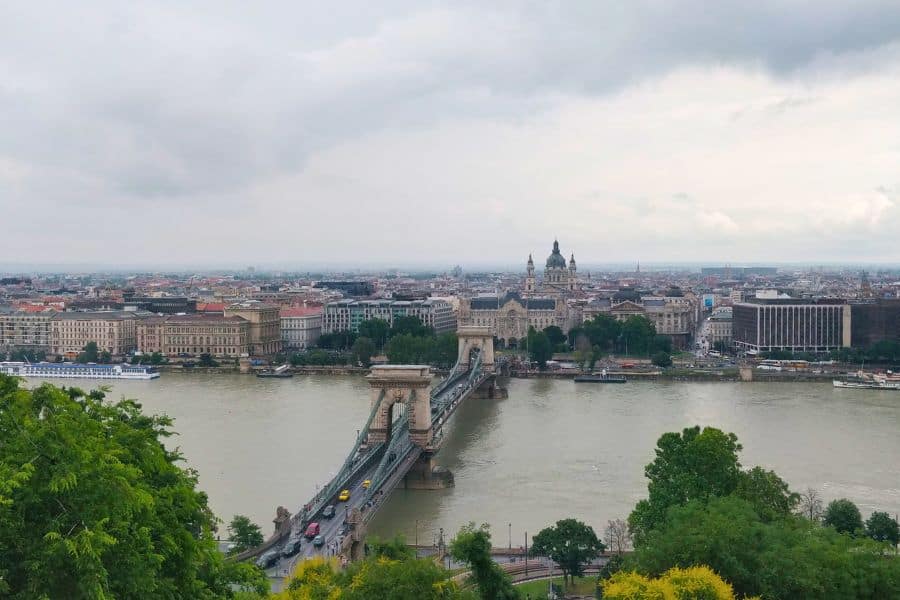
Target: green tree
<point x="555" y="335"/>
<point x="393" y="549"/>
<point x="768" y="493"/>
<point x="410" y="325"/>
<point x="244" y="534"/>
<point x="206" y="360"/>
<point x="363" y="350"/>
<point x="89" y="354"/>
<point x="844" y="516"/>
<point x="570" y="543"/>
<point x="539" y="348"/>
<point x="690" y="465"/>
<point x="603" y="331"/>
<point x="473" y="546"/>
<point x="105" y="357"/>
<point x="338" y="340"/>
<point x="638" y="333"/>
<point x="791" y="557"/>
<point x="92" y="505"/>
<point x="881" y="527"/>
<point x="157" y="359"/>
<point x="662" y="359"/>
<point x="376" y="330"/>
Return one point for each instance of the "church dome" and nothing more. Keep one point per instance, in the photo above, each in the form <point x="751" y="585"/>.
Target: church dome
<point x="556" y="260"/>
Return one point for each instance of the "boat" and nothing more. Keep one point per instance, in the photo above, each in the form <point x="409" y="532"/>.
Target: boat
<point x="869" y="381"/>
<point x="281" y="371"/>
<point x="602" y="377"/>
<point x="68" y="370"/>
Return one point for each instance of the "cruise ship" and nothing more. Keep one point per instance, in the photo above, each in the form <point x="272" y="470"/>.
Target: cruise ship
<point x="67" y="370"/>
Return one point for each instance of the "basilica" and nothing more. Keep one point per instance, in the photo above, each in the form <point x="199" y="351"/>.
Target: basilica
<point x="541" y="303"/>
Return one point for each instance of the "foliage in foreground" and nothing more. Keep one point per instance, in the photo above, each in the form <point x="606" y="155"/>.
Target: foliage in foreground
<point x="694" y="583"/>
<point x="376" y="577"/>
<point x="92" y="505"/>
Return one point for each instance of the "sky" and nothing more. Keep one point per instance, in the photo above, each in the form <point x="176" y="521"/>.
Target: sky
<point x="425" y="133"/>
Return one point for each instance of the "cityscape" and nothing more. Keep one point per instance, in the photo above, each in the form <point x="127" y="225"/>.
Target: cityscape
<point x="446" y="301"/>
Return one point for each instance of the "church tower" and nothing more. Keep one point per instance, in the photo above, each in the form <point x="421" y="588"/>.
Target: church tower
<point x="529" y="278"/>
<point x="573" y="278"/>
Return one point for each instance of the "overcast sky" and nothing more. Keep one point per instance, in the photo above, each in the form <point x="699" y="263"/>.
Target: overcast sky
<point x="417" y="133"/>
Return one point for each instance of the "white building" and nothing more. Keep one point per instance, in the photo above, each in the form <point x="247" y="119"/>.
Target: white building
<point x="301" y="326"/>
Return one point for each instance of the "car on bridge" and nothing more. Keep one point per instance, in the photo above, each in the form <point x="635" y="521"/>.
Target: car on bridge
<point x="319" y="541"/>
<point x="268" y="559"/>
<point x="328" y="513"/>
<point x="367" y="483"/>
<point x="312" y="530"/>
<point x="292" y="546"/>
<point x="344" y="495"/>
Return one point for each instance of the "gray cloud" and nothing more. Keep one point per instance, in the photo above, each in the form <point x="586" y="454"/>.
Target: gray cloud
<point x="200" y="103"/>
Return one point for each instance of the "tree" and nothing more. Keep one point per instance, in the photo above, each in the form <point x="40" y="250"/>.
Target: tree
<point x="555" y="335"/>
<point x="791" y="557"/>
<point x="844" y="516"/>
<point x="206" y="360"/>
<point x="638" y="332"/>
<point x="662" y="359"/>
<point x="618" y="536"/>
<point x="393" y="549"/>
<point x="768" y="492"/>
<point x="473" y="546"/>
<point x="810" y="505"/>
<point x="89" y="354"/>
<point x="376" y="330"/>
<point x="539" y="347"/>
<point x="696" y="583"/>
<point x="404" y="325"/>
<point x="376" y="577"/>
<point x="881" y="527"/>
<point x="92" y="505"/>
<point x="570" y="543"/>
<point x="105" y="357"/>
<point x="363" y="350"/>
<point x="690" y="465"/>
<point x="582" y="347"/>
<point x="244" y="534"/>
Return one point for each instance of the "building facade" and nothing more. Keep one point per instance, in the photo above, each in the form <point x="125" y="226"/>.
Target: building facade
<point x="113" y="331"/>
<point x="796" y="325"/>
<point x="675" y="317"/>
<point x="23" y="330"/>
<point x="720" y="325"/>
<point x="300" y="327"/>
<point x="346" y="315"/>
<point x="264" y="326"/>
<point x="875" y="321"/>
<point x="193" y="335"/>
<point x="510" y="316"/>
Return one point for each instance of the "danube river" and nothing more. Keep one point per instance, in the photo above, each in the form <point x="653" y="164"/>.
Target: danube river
<point x="553" y="449"/>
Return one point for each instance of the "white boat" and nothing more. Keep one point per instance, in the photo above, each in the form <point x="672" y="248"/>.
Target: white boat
<point x="47" y="370"/>
<point x="869" y="381"/>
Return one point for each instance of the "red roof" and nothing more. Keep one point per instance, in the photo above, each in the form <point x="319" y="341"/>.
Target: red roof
<point x="301" y="311"/>
<point x="211" y="307"/>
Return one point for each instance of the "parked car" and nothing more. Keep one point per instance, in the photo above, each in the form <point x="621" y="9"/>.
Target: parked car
<point x="328" y="513"/>
<point x="312" y="530"/>
<point x="268" y="559"/>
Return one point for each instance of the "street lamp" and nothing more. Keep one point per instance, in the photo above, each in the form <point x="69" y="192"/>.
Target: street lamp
<point x="417" y="535"/>
<point x="510" y="539"/>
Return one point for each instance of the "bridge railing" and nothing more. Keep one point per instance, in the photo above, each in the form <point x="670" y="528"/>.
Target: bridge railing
<point x="348" y="468"/>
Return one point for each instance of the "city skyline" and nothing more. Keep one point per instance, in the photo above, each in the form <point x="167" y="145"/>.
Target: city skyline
<point x="143" y="135"/>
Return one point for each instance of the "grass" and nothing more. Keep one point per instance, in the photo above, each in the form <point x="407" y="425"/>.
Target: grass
<point x="584" y="586"/>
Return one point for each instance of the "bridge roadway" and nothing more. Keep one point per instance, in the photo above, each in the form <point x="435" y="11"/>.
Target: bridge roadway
<point x="384" y="465"/>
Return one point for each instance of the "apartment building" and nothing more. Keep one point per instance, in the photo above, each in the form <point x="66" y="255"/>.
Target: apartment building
<point x="301" y="326"/>
<point x="193" y="335"/>
<point x="113" y="331"/>
<point x="346" y="315"/>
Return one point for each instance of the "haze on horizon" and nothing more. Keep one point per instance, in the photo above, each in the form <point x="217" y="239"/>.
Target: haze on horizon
<point x="216" y="133"/>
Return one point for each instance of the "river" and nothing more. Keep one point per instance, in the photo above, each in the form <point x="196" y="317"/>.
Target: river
<point x="552" y="450"/>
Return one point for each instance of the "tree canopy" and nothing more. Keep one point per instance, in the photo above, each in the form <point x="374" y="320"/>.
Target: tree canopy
<point x="244" y="534"/>
<point x="472" y="545"/>
<point x="570" y="543"/>
<point x="92" y="505"/>
<point x="540" y="350"/>
<point x="844" y="516"/>
<point x="883" y="528"/>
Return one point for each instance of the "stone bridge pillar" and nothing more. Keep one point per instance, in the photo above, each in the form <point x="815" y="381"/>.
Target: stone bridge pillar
<point x="409" y="385"/>
<point x="476" y="337"/>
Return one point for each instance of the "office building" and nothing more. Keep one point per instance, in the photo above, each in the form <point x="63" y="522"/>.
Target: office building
<point x="193" y="335"/>
<point x="265" y="325"/>
<point x="113" y="331"/>
<point x="301" y="326"/>
<point x="796" y="325"/>
<point x="346" y="315"/>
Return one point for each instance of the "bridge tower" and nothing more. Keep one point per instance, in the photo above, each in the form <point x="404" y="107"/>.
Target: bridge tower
<point x="408" y="385"/>
<point x="472" y="338"/>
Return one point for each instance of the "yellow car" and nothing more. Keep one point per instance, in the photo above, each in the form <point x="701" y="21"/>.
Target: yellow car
<point x="344" y="495"/>
<point x="367" y="483"/>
